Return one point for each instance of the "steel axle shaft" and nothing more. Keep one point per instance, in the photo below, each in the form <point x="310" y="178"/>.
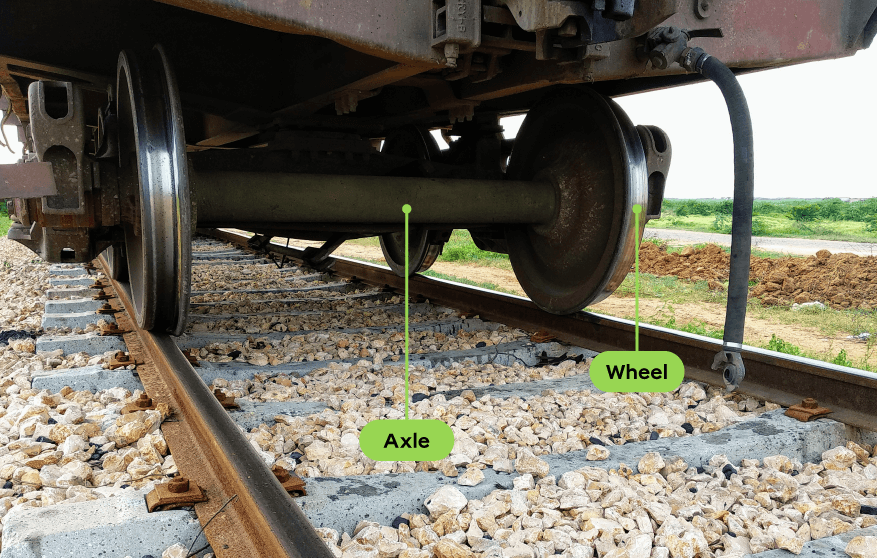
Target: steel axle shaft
<point x="229" y="197"/>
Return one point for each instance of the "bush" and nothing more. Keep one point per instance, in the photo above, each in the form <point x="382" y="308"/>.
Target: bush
<point x="804" y="213"/>
<point x="722" y="224"/>
<point x="780" y="346"/>
<point x="767" y="208"/>
<point x="694" y="207"/>
<point x="842" y="359"/>
<point x="760" y="227"/>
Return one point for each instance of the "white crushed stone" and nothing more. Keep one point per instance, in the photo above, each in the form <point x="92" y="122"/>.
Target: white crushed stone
<point x="627" y="513"/>
<point x="332" y="345"/>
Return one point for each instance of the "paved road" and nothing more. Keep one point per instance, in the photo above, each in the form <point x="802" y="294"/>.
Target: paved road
<point x="800" y="246"/>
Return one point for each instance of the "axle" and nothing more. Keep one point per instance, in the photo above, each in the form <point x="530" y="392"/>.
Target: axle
<point x="226" y="198"/>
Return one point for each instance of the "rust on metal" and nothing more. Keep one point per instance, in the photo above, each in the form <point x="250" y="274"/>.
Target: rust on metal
<point x="542" y="337"/>
<point x="192" y="356"/>
<point x="107" y="308"/>
<point x="27" y="180"/>
<point x="808" y="410"/>
<point x="291" y="482"/>
<point x="177" y="493"/>
<point x="99" y="284"/>
<point x="120" y="359"/>
<point x="262" y="521"/>
<point x="103" y="295"/>
<point x="143" y="403"/>
<point x="227" y="401"/>
<point x="112" y="329"/>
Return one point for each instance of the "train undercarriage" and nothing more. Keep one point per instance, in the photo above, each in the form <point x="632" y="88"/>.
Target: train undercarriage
<point x="144" y="120"/>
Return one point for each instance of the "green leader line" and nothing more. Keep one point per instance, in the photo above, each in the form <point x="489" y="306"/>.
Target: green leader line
<point x="406" y="209"/>
<point x="637" y="208"/>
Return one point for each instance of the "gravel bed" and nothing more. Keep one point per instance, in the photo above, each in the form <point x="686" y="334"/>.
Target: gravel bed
<point x="655" y="509"/>
<point x="207" y="275"/>
<point x="489" y="432"/>
<point x="340" y="319"/>
<point x="334" y="345"/>
<point x="69" y="446"/>
<point x="339" y="303"/>
<point x="244" y="296"/>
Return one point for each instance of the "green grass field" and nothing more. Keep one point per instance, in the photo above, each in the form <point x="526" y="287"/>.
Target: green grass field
<point x="829" y="219"/>
<point x="5" y="221"/>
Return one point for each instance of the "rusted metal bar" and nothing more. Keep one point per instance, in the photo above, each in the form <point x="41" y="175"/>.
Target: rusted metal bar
<point x="777" y="377"/>
<point x="210" y="450"/>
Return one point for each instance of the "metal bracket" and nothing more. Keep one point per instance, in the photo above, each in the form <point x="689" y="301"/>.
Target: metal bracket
<point x="192" y="356"/>
<point x="733" y="369"/>
<point x="542" y="337"/>
<point x="144" y="403"/>
<point x="808" y="410"/>
<point x="103" y="295"/>
<point x="290" y="482"/>
<point x="318" y="258"/>
<point x="179" y="492"/>
<point x="27" y="180"/>
<point x="112" y="329"/>
<point x="107" y="309"/>
<point x="121" y="359"/>
<point x="227" y="401"/>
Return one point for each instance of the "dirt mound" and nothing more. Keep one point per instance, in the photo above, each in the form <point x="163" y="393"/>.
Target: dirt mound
<point x="709" y="263"/>
<point x="838" y="280"/>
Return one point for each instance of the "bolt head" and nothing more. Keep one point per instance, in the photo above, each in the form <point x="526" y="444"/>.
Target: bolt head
<point x="280" y="473"/>
<point x="809" y="403"/>
<point x="178" y="485"/>
<point x="659" y="62"/>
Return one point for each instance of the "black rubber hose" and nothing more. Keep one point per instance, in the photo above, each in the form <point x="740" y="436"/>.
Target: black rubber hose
<point x="744" y="185"/>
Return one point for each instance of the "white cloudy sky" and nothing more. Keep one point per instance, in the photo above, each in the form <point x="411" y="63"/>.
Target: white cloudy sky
<point x="815" y="131"/>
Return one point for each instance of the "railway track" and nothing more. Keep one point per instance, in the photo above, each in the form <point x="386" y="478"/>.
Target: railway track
<point x="312" y="356"/>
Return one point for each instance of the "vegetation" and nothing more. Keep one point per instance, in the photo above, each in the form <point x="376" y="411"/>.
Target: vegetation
<point x="831" y="219"/>
<point x="841" y="359"/>
<point x="5" y="221"/>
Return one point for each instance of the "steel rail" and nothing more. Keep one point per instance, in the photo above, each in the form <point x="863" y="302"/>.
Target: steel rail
<point x="209" y="448"/>
<point x="772" y="376"/>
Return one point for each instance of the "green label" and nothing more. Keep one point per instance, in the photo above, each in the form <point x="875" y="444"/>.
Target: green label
<point x="640" y="371"/>
<point x="406" y="440"/>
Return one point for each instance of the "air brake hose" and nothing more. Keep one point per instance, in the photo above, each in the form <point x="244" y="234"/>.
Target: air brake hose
<point x="695" y="59"/>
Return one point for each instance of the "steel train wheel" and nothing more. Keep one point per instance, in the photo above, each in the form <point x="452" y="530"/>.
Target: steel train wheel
<point x="423" y="248"/>
<point x="115" y="256"/>
<point x="587" y="147"/>
<point x="152" y="161"/>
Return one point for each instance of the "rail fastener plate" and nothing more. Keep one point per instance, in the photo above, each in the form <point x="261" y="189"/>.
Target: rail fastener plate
<point x="808" y="410"/>
<point x="164" y="496"/>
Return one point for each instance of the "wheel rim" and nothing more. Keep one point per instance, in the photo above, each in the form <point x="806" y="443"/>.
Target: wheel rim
<point x="587" y="147"/>
<point x="115" y="256"/>
<point x="423" y="252"/>
<point x="152" y="159"/>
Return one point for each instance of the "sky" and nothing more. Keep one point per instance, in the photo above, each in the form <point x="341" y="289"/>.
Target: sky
<point x="815" y="131"/>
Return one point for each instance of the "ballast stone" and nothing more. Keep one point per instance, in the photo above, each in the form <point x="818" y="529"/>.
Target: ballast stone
<point x="118" y="526"/>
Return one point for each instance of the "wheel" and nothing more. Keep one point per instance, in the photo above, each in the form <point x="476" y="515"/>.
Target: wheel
<point x="586" y="146"/>
<point x="115" y="256"/>
<point x="152" y="161"/>
<point x="424" y="245"/>
<point x="421" y="256"/>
